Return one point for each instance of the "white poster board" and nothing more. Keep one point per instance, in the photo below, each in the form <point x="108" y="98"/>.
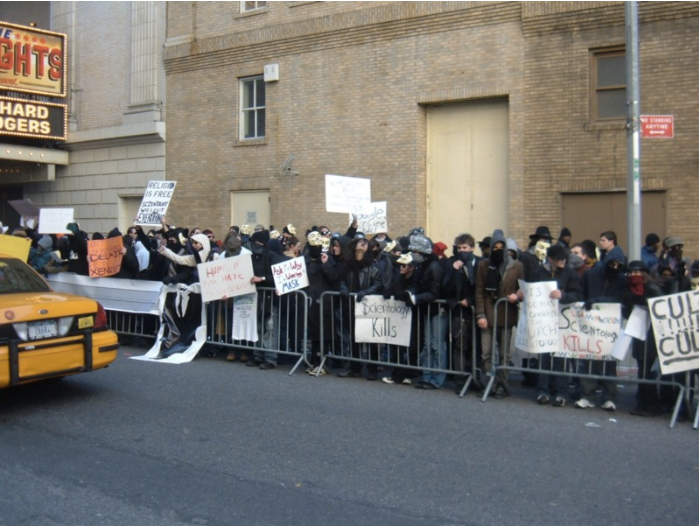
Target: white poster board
<point x="226" y="278"/>
<point x="155" y="201"/>
<point x="589" y="334"/>
<point x="245" y="318"/>
<point x="55" y="220"/>
<point x="537" y="327"/>
<point x="372" y="218"/>
<point x="378" y="320"/>
<point x="346" y="194"/>
<point x="290" y="275"/>
<point x="675" y="320"/>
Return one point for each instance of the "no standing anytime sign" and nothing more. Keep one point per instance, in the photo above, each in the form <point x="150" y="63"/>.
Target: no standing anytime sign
<point x="657" y="126"/>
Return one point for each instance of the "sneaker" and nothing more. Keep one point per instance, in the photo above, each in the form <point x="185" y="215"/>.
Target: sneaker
<point x="387" y="380"/>
<point x="609" y="406"/>
<point x="268" y="365"/>
<point x="407" y="381"/>
<point x="317" y="371"/>
<point x="231" y="357"/>
<point x="542" y="399"/>
<point x="559" y="402"/>
<point x="584" y="403"/>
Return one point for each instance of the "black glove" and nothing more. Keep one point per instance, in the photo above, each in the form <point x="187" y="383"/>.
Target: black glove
<point x="403" y="296"/>
<point x="387" y="295"/>
<point x="588" y="304"/>
<point x="167" y="280"/>
<point x="360" y="296"/>
<point x="344" y="292"/>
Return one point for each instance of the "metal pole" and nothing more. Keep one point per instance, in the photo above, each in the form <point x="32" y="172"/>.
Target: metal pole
<point x="633" y="101"/>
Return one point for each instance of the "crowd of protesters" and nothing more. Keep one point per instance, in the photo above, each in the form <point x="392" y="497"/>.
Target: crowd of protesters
<point x="413" y="269"/>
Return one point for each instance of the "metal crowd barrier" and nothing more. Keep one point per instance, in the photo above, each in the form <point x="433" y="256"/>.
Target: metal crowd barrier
<point x="138" y="324"/>
<point x="338" y="346"/>
<point x="282" y="325"/>
<point x="598" y="370"/>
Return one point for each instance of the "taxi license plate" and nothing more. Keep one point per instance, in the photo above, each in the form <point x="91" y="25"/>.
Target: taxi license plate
<point x="42" y="329"/>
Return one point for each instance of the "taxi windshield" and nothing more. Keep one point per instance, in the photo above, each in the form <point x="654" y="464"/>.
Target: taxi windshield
<point x="17" y="276"/>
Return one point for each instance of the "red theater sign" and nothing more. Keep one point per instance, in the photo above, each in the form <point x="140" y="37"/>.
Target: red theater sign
<point x="657" y="126"/>
<point x="32" y="60"/>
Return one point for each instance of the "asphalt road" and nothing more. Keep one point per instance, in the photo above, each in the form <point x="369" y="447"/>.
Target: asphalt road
<point x="215" y="443"/>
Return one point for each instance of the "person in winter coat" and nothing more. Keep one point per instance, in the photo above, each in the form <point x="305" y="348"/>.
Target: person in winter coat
<point x="497" y="277"/>
<point x="318" y="283"/>
<point x="40" y="255"/>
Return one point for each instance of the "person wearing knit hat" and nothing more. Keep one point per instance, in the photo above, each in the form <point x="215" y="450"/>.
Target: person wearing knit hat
<point x="497" y="277"/>
<point x="438" y="249"/>
<point x="672" y="256"/>
<point x="261" y="237"/>
<point x="564" y="240"/>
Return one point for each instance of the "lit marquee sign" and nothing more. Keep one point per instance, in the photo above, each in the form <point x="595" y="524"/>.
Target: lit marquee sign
<point x="32" y="60"/>
<point x="38" y="120"/>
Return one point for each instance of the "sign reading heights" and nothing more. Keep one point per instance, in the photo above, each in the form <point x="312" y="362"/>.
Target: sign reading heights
<point x="32" y="61"/>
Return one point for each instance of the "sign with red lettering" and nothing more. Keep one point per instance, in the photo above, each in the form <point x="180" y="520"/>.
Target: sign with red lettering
<point x="290" y="275"/>
<point x="104" y="256"/>
<point x="226" y="278"/>
<point x="657" y="126"/>
<point x="32" y="60"/>
<point x="589" y="334"/>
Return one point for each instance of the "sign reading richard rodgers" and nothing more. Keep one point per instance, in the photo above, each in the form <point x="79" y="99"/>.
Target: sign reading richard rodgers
<point x="378" y="320"/>
<point x="675" y="320"/>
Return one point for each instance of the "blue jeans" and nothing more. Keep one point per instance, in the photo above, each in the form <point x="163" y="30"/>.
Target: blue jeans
<point x="434" y="349"/>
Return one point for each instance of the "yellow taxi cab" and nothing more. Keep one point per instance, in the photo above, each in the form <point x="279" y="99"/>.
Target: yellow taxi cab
<point x="46" y="334"/>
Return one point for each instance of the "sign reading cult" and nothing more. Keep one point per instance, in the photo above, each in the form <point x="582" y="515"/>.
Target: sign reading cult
<point x="104" y="256"/>
<point x="378" y="320"/>
<point x="675" y="320"/>
<point x="155" y="202"/>
<point x="226" y="278"/>
<point x="290" y="275"/>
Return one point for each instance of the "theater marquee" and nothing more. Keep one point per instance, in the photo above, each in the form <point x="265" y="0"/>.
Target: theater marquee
<point x="32" y="60"/>
<point x="37" y="120"/>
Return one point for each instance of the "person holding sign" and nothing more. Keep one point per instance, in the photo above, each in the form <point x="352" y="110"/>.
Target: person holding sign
<point x="568" y="291"/>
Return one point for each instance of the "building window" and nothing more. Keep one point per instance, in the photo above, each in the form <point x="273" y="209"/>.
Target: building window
<point x="608" y="85"/>
<point x="251" y="6"/>
<point x="252" y="108"/>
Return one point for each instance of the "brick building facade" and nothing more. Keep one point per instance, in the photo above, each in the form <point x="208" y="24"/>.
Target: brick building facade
<point x="357" y="82"/>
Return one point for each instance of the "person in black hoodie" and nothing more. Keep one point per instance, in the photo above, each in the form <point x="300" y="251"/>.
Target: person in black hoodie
<point x="334" y="269"/>
<point x="603" y="283"/>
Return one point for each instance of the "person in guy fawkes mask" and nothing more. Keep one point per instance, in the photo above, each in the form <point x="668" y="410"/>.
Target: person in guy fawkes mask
<point x="459" y="286"/>
<point x="535" y="255"/>
<point x="496" y="278"/>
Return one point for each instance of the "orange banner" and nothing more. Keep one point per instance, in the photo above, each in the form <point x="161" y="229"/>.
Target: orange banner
<point x="104" y="256"/>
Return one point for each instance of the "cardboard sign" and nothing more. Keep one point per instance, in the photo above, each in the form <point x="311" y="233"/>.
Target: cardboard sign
<point x="372" y="218"/>
<point x="155" y="201"/>
<point x="55" y="220"/>
<point x="537" y="327"/>
<point x="104" y="256"/>
<point x="675" y="320"/>
<point x="290" y="275"/>
<point x="346" y="194"/>
<point x="589" y="334"/>
<point x="226" y="278"/>
<point x="15" y="246"/>
<point x="27" y="210"/>
<point x="378" y="320"/>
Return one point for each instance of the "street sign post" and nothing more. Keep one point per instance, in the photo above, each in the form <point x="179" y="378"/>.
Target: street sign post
<point x="657" y="126"/>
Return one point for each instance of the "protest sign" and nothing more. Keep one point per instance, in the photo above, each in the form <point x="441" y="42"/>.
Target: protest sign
<point x="346" y="194"/>
<point x="589" y="334"/>
<point x="637" y="326"/>
<point x="155" y="201"/>
<point x="537" y="327"/>
<point x="104" y="256"/>
<point x="378" y="320"/>
<point x="15" y="246"/>
<point x="28" y="211"/>
<point x="371" y="219"/>
<point x="290" y="275"/>
<point x="226" y="278"/>
<point x="245" y="318"/>
<point x="55" y="220"/>
<point x="675" y="320"/>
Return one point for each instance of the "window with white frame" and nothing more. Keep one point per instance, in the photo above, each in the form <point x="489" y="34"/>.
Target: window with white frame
<point x="608" y="83"/>
<point x="252" y="108"/>
<point x="251" y="6"/>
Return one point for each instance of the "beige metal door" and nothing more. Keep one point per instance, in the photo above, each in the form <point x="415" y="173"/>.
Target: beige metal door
<point x="467" y="169"/>
<point x="250" y="208"/>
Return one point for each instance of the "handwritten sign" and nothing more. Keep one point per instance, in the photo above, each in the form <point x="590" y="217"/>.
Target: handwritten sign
<point x="28" y="211"/>
<point x="55" y="220"/>
<point x="226" y="278"/>
<point x="378" y="320"/>
<point x="346" y="194"/>
<point x="537" y="327"/>
<point x="589" y="334"/>
<point x="675" y="320"/>
<point x="104" y="256"/>
<point x="155" y="201"/>
<point x="290" y="275"/>
<point x="245" y="318"/>
<point x="371" y="219"/>
<point x="15" y="246"/>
